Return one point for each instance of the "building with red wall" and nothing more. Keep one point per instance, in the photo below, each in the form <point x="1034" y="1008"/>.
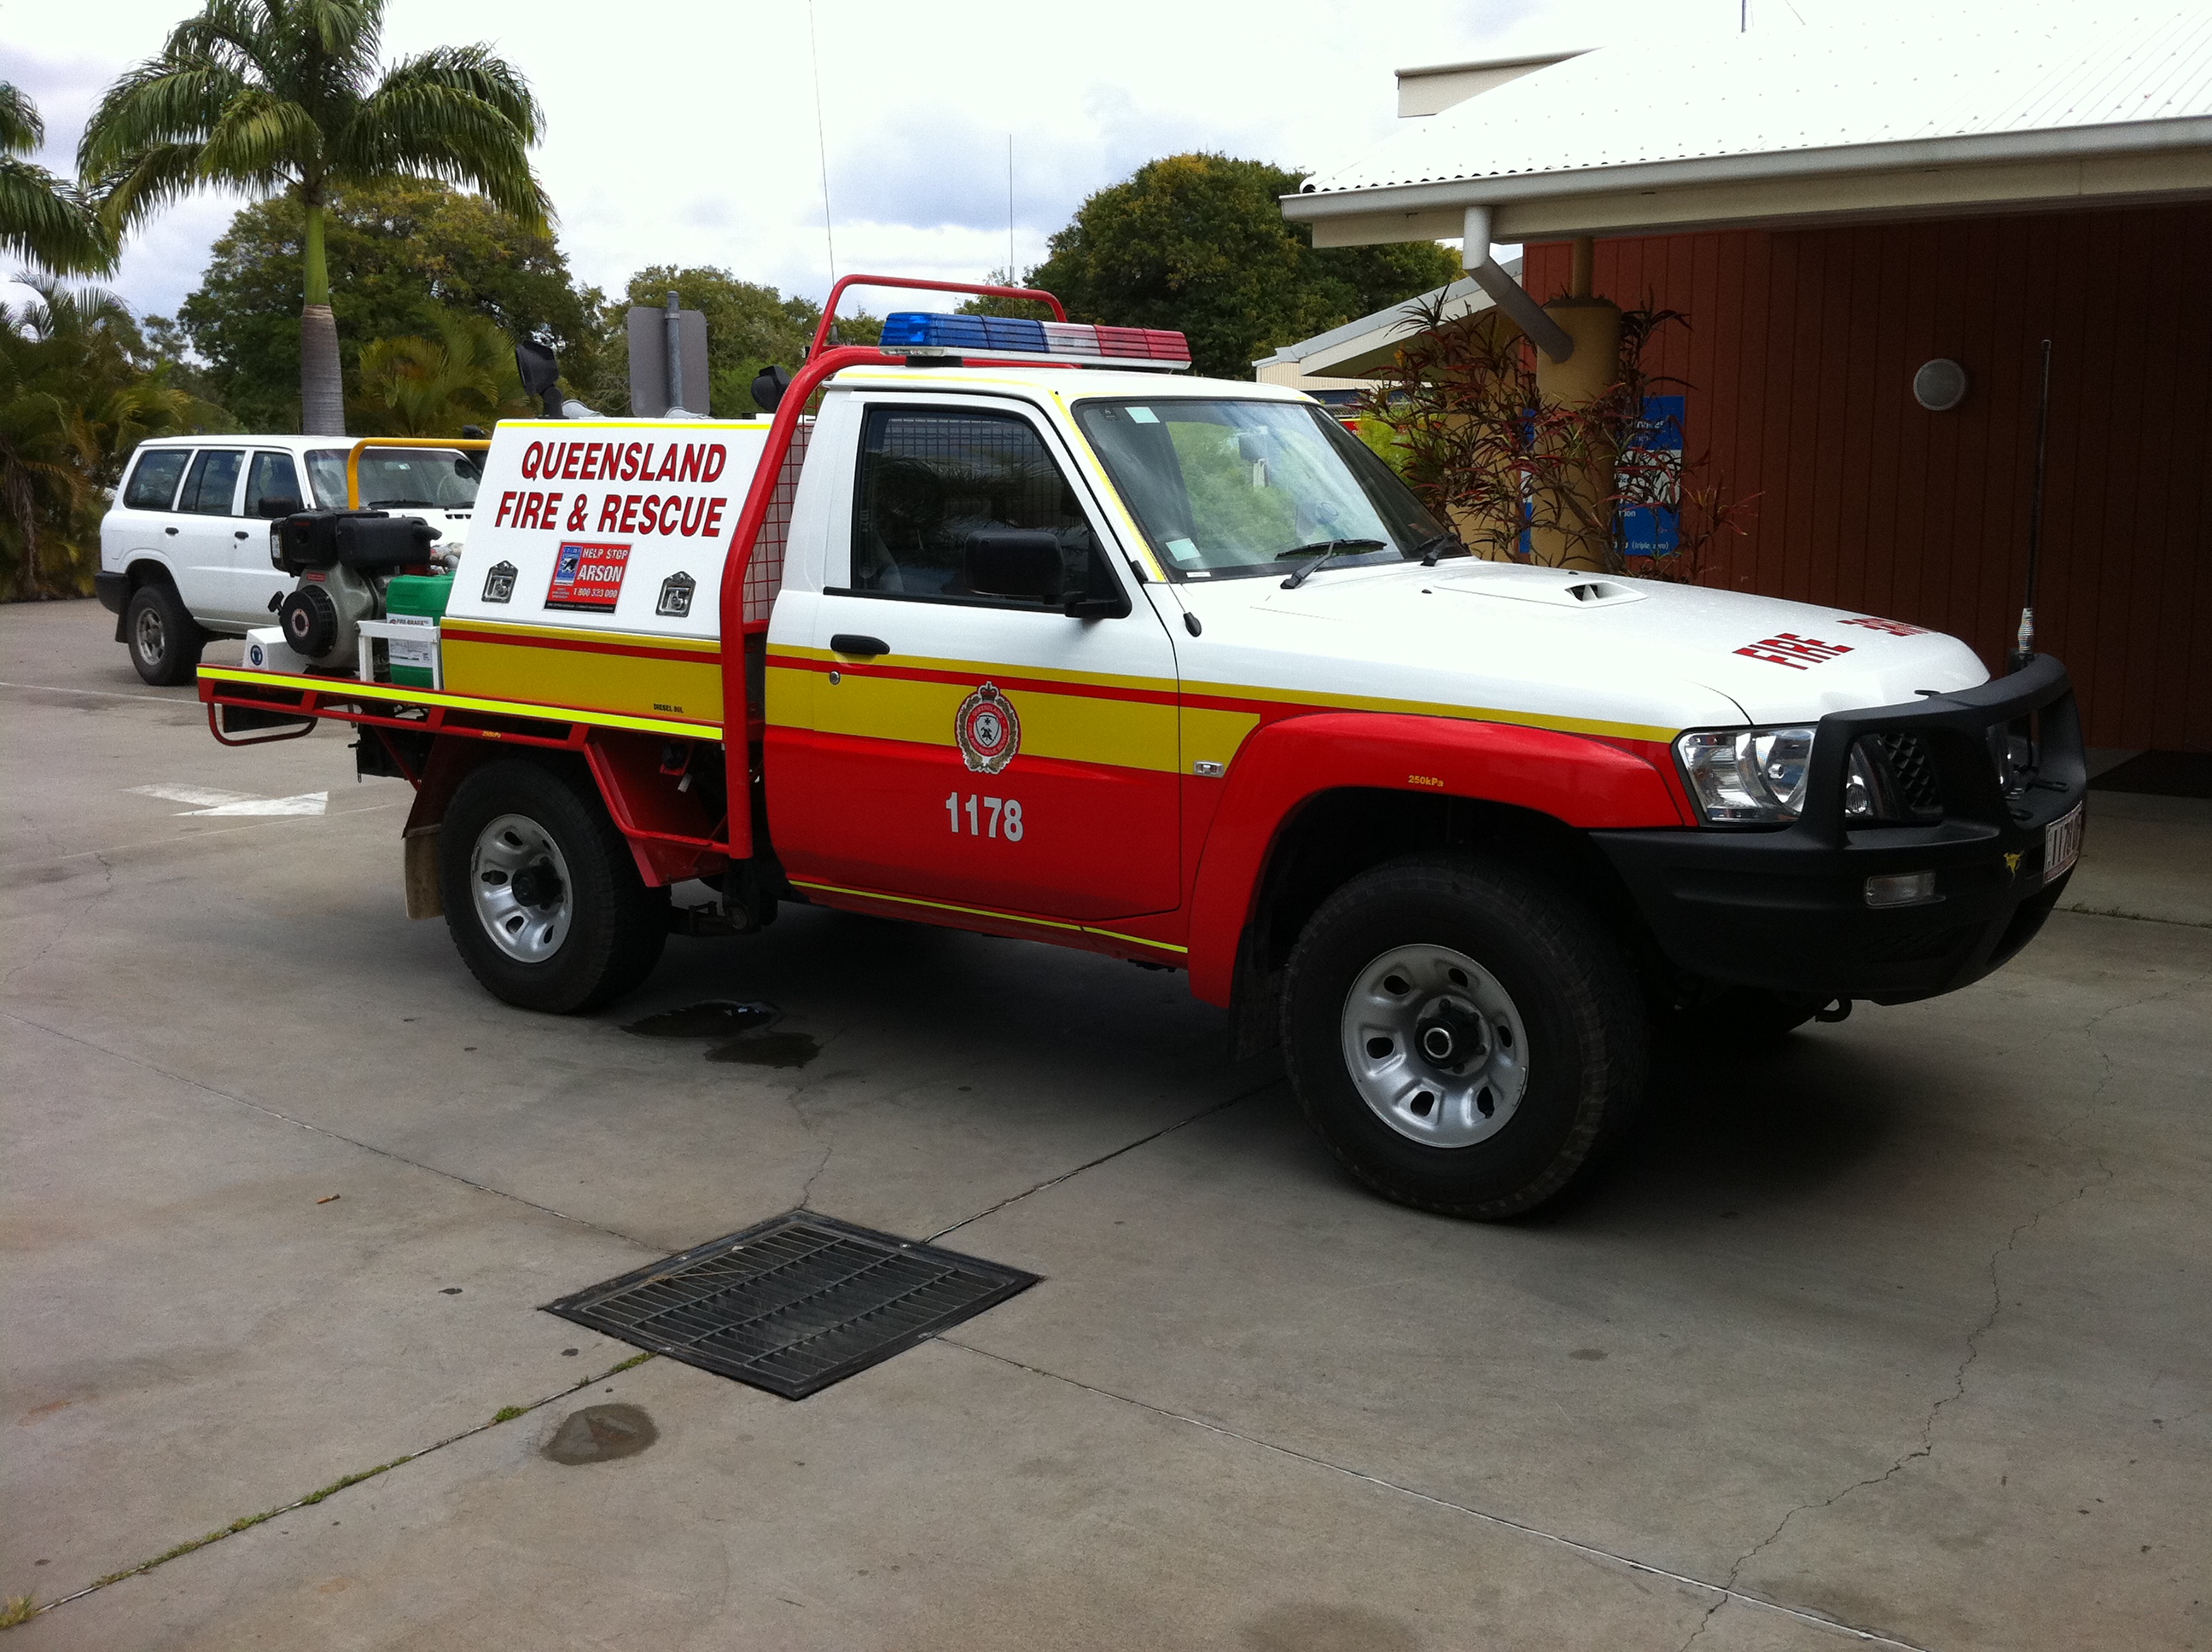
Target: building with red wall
<point x="1828" y="224"/>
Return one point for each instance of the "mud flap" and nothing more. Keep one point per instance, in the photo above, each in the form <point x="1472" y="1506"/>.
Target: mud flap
<point x="421" y="873"/>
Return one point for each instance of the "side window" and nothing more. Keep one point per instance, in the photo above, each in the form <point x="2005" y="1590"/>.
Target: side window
<point x="326" y="470"/>
<point x="930" y="477"/>
<point x="154" y="479"/>
<point x="272" y="477"/>
<point x="214" y="480"/>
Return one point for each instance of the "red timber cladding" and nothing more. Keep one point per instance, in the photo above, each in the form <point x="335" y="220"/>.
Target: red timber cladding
<point x="1799" y="353"/>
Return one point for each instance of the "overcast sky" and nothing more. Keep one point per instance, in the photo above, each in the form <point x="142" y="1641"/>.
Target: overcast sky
<point x="687" y="133"/>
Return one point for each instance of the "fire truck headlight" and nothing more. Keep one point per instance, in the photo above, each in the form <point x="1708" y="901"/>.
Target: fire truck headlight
<point x="1747" y="776"/>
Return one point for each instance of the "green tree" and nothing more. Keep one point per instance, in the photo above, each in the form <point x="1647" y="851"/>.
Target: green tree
<point x="416" y="386"/>
<point x="404" y="252"/>
<point x="78" y="391"/>
<point x="748" y="326"/>
<point x="41" y="217"/>
<point x="287" y="96"/>
<point x="1198" y="243"/>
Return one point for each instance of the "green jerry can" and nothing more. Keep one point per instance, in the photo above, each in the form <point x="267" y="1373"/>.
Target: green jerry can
<point x="412" y="601"/>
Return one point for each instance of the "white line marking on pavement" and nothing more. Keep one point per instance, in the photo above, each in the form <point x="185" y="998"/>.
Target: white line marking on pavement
<point x="206" y="800"/>
<point x="106" y="693"/>
<point x="200" y="797"/>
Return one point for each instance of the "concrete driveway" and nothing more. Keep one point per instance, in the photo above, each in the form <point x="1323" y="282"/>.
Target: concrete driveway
<point x="1901" y="1332"/>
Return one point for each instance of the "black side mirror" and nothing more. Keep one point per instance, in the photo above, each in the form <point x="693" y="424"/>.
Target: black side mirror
<point x="540" y="372"/>
<point x="1015" y="562"/>
<point x="273" y="506"/>
<point x="769" y="387"/>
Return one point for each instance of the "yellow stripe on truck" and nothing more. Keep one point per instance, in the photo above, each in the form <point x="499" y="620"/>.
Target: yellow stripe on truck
<point x="589" y="680"/>
<point x="1079" y="728"/>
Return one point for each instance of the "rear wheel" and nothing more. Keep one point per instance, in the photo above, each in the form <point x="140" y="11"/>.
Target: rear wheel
<point x="541" y="894"/>
<point x="165" y="640"/>
<point x="1465" y="1039"/>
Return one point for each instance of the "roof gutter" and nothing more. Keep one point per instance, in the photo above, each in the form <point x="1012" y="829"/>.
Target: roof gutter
<point x="2083" y="143"/>
<point x="1509" y="294"/>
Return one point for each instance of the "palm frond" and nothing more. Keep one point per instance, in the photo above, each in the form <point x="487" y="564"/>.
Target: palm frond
<point x="44" y="218"/>
<point x="163" y="101"/>
<point x="414" y="126"/>
<point x="157" y="175"/>
<point x="21" y="131"/>
<point x="483" y="74"/>
<point x="261" y="139"/>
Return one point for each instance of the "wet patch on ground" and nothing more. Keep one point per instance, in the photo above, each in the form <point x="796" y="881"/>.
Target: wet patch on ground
<point x="599" y="1434"/>
<point x="744" y="1026"/>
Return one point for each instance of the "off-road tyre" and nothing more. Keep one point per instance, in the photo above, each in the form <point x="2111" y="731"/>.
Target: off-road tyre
<point x="164" y="639"/>
<point x="616" y="924"/>
<point x="1571" y="986"/>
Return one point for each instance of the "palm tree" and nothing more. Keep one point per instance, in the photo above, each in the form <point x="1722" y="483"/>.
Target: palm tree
<point x="41" y="217"/>
<point x="269" y="95"/>
<point x="76" y="398"/>
<point x="418" y="386"/>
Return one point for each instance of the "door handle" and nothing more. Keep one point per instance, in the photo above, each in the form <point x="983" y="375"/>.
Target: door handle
<point x="239" y="534"/>
<point x="168" y="530"/>
<point x="850" y="642"/>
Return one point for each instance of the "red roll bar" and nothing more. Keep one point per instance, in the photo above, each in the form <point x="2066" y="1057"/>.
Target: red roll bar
<point x="1037" y="294"/>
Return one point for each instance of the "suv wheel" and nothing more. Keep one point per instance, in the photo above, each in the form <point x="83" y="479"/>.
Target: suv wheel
<point x="164" y="643"/>
<point x="540" y="892"/>
<point x="1465" y="1039"/>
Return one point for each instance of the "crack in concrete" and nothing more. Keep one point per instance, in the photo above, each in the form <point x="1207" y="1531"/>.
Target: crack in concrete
<point x="1725" y="1593"/>
<point x="1092" y="1164"/>
<point x="1927" y="1446"/>
<point x="247" y="1522"/>
<point x="324" y="1130"/>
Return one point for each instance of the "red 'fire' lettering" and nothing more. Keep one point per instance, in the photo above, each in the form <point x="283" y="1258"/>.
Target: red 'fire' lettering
<point x="610" y="513"/>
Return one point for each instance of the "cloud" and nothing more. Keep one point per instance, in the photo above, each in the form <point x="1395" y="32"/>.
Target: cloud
<point x="688" y="134"/>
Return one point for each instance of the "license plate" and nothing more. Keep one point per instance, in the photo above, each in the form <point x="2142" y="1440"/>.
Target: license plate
<point x="2062" y="843"/>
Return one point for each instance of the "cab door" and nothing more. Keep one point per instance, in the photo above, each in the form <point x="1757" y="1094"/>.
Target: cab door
<point x="970" y="749"/>
<point x="208" y="539"/>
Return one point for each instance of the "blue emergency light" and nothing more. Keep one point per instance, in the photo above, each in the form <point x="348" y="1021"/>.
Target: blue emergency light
<point x="1005" y="336"/>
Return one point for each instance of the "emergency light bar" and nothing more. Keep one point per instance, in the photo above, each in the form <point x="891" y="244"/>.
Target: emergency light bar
<point x="1005" y="338"/>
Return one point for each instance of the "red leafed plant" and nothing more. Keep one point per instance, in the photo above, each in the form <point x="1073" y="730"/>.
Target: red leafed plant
<point x="1524" y="477"/>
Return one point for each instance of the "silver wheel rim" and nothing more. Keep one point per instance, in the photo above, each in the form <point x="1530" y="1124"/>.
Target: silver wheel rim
<point x="148" y="631"/>
<point x="1434" y="1045"/>
<point x="523" y="894"/>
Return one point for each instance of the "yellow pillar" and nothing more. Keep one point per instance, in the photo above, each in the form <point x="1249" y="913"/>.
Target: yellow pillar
<point x="1583" y="538"/>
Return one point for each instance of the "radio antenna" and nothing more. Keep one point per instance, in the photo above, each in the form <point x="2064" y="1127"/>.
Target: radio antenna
<point x="2024" y="645"/>
<point x="821" y="141"/>
<point x="1013" y="275"/>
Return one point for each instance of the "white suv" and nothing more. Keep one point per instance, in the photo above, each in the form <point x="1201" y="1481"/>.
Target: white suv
<point x="183" y="551"/>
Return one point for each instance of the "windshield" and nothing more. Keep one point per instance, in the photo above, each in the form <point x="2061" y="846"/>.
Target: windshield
<point x="437" y="478"/>
<point x="1229" y="487"/>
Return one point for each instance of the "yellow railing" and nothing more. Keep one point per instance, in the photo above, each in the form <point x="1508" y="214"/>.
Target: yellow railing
<point x="420" y="444"/>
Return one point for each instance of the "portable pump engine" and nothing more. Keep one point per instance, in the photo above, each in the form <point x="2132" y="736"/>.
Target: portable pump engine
<point x="345" y="560"/>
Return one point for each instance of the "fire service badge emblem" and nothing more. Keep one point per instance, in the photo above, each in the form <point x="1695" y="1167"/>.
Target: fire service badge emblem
<point x="987" y="730"/>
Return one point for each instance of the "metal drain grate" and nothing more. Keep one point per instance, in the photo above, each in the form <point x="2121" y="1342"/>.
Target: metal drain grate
<point x="794" y="1304"/>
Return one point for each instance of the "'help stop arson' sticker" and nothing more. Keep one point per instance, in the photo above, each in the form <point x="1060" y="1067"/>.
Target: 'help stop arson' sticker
<point x="588" y="577"/>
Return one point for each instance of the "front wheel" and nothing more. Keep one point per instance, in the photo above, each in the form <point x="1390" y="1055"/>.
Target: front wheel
<point x="541" y="894"/>
<point x="1465" y="1038"/>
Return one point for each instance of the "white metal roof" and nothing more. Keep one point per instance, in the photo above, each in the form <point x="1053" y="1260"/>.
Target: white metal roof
<point x="1358" y="349"/>
<point x="2076" y="77"/>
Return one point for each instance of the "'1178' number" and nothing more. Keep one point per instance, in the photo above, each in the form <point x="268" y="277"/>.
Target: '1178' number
<point x="1006" y="817"/>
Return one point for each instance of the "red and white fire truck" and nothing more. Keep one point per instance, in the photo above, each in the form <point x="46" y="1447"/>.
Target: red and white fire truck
<point x="1009" y="626"/>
